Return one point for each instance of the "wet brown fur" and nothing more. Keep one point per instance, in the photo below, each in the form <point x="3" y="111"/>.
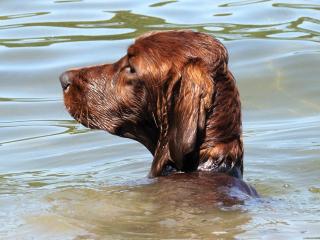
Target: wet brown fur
<point x="172" y="92"/>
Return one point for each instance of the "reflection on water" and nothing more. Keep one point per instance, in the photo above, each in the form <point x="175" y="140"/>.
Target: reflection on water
<point x="127" y="25"/>
<point x="59" y="180"/>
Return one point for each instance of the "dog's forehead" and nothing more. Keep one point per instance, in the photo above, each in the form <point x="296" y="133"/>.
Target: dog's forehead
<point x="162" y="38"/>
<point x="148" y="34"/>
<point x="164" y="32"/>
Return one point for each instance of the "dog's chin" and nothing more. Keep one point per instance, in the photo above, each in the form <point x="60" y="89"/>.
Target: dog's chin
<point x="81" y="116"/>
<point x="86" y="120"/>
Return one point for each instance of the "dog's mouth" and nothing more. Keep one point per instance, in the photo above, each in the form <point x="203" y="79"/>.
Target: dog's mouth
<point x="77" y="109"/>
<point x="80" y="115"/>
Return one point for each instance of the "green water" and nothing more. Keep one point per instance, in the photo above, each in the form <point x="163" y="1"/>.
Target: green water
<point x="59" y="180"/>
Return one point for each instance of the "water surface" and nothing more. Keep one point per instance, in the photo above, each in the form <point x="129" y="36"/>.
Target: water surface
<point x="59" y="180"/>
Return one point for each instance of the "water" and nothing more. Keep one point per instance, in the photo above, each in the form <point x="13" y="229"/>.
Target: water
<point x="59" y="180"/>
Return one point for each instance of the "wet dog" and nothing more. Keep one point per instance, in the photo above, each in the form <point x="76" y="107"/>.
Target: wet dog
<point x="174" y="93"/>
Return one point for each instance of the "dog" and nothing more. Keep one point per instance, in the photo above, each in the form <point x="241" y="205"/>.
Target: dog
<point x="174" y="93"/>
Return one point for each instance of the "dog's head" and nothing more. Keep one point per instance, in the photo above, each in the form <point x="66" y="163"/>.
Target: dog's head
<point x="172" y="92"/>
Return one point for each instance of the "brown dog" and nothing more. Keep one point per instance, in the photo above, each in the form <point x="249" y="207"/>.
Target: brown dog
<point x="172" y="92"/>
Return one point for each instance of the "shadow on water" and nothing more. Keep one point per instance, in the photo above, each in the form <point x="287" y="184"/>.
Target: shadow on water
<point x="179" y="206"/>
<point x="188" y="206"/>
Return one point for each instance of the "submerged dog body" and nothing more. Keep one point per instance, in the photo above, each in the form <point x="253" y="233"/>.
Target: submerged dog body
<point x="172" y="92"/>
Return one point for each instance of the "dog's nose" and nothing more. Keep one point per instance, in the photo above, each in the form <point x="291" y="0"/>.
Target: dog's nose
<point x="65" y="80"/>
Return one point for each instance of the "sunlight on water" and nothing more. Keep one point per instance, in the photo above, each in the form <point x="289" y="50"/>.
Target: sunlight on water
<point x="59" y="180"/>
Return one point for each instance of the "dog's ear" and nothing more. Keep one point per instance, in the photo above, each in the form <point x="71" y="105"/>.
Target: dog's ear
<point x="185" y="99"/>
<point x="186" y="96"/>
<point x="191" y="97"/>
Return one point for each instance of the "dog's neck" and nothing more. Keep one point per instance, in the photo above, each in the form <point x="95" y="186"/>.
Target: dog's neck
<point x="220" y="148"/>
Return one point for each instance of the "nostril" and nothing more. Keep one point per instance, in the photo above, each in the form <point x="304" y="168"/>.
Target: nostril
<point x="65" y="80"/>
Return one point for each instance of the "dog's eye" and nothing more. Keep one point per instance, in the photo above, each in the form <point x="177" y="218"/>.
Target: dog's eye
<point x="130" y="69"/>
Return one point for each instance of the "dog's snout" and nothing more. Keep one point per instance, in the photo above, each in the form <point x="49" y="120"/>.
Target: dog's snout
<point x="65" y="80"/>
